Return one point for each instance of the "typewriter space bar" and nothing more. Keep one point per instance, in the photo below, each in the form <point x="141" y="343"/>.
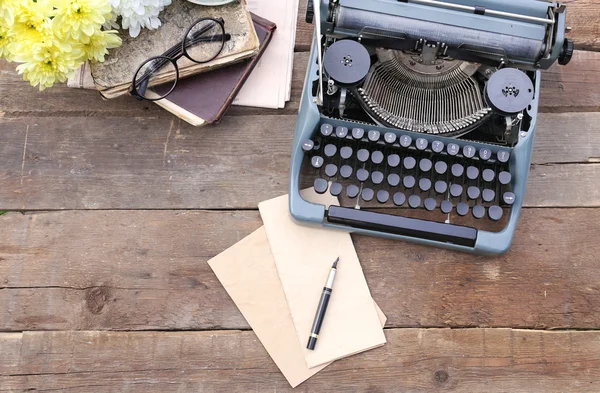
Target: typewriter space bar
<point x="412" y="227"/>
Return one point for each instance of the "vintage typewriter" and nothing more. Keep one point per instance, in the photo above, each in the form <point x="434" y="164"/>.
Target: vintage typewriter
<point x="419" y="115"/>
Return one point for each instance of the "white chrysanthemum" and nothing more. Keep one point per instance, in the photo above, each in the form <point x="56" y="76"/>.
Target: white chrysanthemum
<point x="137" y="14"/>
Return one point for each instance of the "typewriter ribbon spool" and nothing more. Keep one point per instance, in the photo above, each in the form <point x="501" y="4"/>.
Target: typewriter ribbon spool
<point x="509" y="91"/>
<point x="347" y="62"/>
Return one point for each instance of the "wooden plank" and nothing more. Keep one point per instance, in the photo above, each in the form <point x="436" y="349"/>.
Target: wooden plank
<point x="582" y="15"/>
<point x="413" y="360"/>
<point x="135" y="163"/>
<point x="570" y="88"/>
<point x="141" y="270"/>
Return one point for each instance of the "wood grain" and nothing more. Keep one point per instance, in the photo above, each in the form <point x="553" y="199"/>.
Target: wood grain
<point x="413" y="360"/>
<point x="583" y="16"/>
<point x="146" y="270"/>
<point x="138" y="163"/>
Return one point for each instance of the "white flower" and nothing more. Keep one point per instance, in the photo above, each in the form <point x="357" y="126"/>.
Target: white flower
<point x="136" y="14"/>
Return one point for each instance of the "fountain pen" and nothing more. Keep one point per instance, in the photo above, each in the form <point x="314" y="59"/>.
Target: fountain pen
<point x="316" y="327"/>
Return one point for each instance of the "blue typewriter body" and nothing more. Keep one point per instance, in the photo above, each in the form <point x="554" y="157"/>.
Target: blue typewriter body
<point x="420" y="117"/>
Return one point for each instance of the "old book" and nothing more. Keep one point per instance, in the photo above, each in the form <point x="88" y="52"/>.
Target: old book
<point x="204" y="98"/>
<point x="113" y="77"/>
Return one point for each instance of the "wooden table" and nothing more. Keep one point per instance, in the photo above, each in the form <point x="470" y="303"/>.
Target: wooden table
<point x="114" y="208"/>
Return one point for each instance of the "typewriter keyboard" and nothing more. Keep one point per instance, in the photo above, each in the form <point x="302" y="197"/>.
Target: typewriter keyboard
<point x="441" y="179"/>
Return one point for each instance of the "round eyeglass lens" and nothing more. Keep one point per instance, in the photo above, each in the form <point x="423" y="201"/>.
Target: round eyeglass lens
<point x="150" y="75"/>
<point x="204" y="40"/>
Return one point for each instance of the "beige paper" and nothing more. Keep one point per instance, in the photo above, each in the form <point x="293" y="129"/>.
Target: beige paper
<point x="303" y="256"/>
<point x="248" y="273"/>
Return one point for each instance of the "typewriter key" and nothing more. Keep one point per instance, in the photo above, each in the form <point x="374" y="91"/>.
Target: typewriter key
<point x="441" y="187"/>
<point x="383" y="196"/>
<point x="405" y="141"/>
<point x="377" y="157"/>
<point x="362" y="174"/>
<point x="377" y="177"/>
<point x="346" y="152"/>
<point x="308" y="145"/>
<point x="317" y="162"/>
<point x="352" y="191"/>
<point x="346" y="171"/>
<point x="330" y="150"/>
<point x="358" y="133"/>
<point x="424" y="184"/>
<point x="414" y="201"/>
<point x="457" y="170"/>
<point x="462" y="209"/>
<point x="320" y="186"/>
<point x="326" y="129"/>
<point x="367" y="194"/>
<point x="469" y="151"/>
<point x="430" y="204"/>
<point x="472" y="172"/>
<point x="473" y="192"/>
<point x="503" y="156"/>
<point x="393" y="179"/>
<point x="488" y="195"/>
<point x="485" y="154"/>
<point x="335" y="189"/>
<point x="331" y="170"/>
<point x="478" y="211"/>
<point x="509" y="198"/>
<point x="452" y="149"/>
<point x="456" y="190"/>
<point x="373" y="135"/>
<point x="347" y="62"/>
<point x="393" y="160"/>
<point x="390" y="137"/>
<point x="421" y="144"/>
<point x="446" y="207"/>
<point x="508" y="91"/>
<point x="488" y="175"/>
<point x="504" y="178"/>
<point x="362" y="155"/>
<point x="441" y="167"/>
<point x="408" y="181"/>
<point x="495" y="213"/>
<point x="341" y="132"/>
<point x="437" y="146"/>
<point x="425" y="164"/>
<point x="409" y="163"/>
<point x="399" y="199"/>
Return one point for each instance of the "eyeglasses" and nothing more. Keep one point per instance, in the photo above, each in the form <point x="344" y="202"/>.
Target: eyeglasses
<point x="202" y="42"/>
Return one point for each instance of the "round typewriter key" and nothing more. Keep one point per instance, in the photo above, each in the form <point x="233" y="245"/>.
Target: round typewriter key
<point x="430" y="204"/>
<point x="358" y="133"/>
<point x="472" y="172"/>
<point x="488" y="195"/>
<point x="437" y="146"/>
<point x="473" y="192"/>
<point x="405" y="141"/>
<point x="421" y="144"/>
<point x="478" y="211"/>
<point x="424" y="184"/>
<point x="504" y="178"/>
<point x="452" y="149"/>
<point x="393" y="160"/>
<point x="441" y="187"/>
<point x="341" y="132"/>
<point x="308" y="145"/>
<point x="346" y="152"/>
<point x="393" y="179"/>
<point x="390" y="137"/>
<point x="495" y="213"/>
<point x="457" y="170"/>
<point x="335" y="189"/>
<point x="331" y="170"/>
<point x="414" y="201"/>
<point x="425" y="164"/>
<point x="367" y="194"/>
<point x="316" y="162"/>
<point x="503" y="156"/>
<point x="462" y="209"/>
<point x="377" y="157"/>
<point x="362" y="155"/>
<point x="383" y="196"/>
<point x="485" y="154"/>
<point x="409" y="163"/>
<point x="456" y="190"/>
<point x="399" y="199"/>
<point x="352" y="191"/>
<point x="469" y="151"/>
<point x="326" y="129"/>
<point x="330" y="150"/>
<point x="373" y="135"/>
<point x="362" y="174"/>
<point x="320" y="186"/>
<point x="346" y="171"/>
<point x="408" y="181"/>
<point x="441" y="167"/>
<point x="377" y="177"/>
<point x="509" y="198"/>
<point x="446" y="207"/>
<point x="488" y="175"/>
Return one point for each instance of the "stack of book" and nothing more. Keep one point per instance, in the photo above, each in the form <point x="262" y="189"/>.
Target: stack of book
<point x="205" y="91"/>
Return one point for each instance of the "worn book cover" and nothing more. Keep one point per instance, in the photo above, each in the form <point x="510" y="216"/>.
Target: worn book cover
<point x="113" y="77"/>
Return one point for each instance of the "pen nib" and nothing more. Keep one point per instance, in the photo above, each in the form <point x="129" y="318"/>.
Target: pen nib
<point x="335" y="263"/>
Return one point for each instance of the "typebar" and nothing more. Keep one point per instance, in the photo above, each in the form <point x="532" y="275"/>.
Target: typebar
<point x="411" y="227"/>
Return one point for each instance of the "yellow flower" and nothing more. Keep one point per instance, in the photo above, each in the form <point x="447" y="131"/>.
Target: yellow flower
<point x="27" y="36"/>
<point x="50" y="63"/>
<point x="6" y="38"/>
<point x="96" y="46"/>
<point x="7" y="16"/>
<point x="75" y="17"/>
<point x="33" y="13"/>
